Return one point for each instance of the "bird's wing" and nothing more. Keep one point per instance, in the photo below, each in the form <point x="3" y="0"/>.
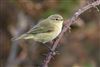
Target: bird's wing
<point x="37" y="30"/>
<point x="41" y="28"/>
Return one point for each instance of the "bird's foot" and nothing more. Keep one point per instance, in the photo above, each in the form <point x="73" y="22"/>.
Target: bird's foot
<point x="69" y="29"/>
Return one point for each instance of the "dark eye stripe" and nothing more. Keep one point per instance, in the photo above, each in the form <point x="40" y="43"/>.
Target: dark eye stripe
<point x="52" y="19"/>
<point x="57" y="19"/>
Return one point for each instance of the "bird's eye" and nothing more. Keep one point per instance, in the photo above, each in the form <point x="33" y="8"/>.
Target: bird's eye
<point x="56" y="19"/>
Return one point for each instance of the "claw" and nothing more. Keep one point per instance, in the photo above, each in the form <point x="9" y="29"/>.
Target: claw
<point x="57" y="52"/>
<point x="69" y="29"/>
<point x="53" y="53"/>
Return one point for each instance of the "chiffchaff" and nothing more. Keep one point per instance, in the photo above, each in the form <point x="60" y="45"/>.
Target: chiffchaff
<point x="46" y="30"/>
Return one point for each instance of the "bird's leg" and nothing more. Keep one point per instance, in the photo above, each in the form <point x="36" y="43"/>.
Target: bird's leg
<point x="69" y="29"/>
<point x="53" y="52"/>
<point x="50" y="49"/>
<point x="45" y="44"/>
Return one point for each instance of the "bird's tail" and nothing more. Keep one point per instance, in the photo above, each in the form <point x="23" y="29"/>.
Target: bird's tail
<point x="20" y="37"/>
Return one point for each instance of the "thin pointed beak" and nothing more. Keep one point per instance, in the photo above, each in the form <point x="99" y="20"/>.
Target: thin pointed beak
<point x="61" y="19"/>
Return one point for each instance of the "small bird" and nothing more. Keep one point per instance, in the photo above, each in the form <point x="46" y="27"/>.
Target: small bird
<point x="45" y="31"/>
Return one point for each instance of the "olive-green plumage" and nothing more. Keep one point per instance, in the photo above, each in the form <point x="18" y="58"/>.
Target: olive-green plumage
<point x="46" y="30"/>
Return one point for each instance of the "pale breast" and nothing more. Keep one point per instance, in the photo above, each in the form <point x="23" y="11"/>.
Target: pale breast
<point x="45" y="37"/>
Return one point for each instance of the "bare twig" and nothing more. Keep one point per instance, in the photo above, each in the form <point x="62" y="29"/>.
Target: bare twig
<point x="66" y="27"/>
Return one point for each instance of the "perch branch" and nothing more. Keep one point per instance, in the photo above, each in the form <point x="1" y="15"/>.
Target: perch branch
<point x="66" y="27"/>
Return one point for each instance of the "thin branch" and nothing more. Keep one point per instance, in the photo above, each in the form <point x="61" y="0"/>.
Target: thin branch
<point x="66" y="27"/>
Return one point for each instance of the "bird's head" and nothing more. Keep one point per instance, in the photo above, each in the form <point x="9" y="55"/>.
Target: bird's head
<point x="56" y="18"/>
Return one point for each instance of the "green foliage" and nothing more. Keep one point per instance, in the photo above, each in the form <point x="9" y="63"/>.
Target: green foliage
<point x="88" y="65"/>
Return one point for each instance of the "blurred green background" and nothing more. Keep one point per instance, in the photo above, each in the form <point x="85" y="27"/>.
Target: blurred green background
<point x="80" y="48"/>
